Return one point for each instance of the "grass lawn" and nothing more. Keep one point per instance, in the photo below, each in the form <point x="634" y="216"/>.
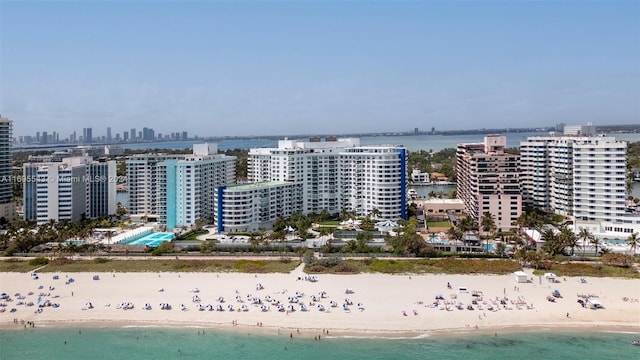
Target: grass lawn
<point x="421" y="266"/>
<point x="330" y="223"/>
<point x="192" y="236"/>
<point x="438" y="224"/>
<point x="170" y="265"/>
<point x="16" y="266"/>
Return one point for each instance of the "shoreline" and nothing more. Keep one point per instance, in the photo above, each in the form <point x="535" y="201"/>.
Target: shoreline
<point x="308" y="333"/>
<point x="382" y="306"/>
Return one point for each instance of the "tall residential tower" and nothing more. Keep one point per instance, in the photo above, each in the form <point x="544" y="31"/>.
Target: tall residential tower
<point x="7" y="206"/>
<point x="488" y="181"/>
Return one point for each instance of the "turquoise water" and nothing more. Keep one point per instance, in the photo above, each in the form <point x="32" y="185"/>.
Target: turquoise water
<point x="436" y="239"/>
<point x="152" y="240"/>
<point x="615" y="241"/>
<point x="146" y="343"/>
<point x="492" y="247"/>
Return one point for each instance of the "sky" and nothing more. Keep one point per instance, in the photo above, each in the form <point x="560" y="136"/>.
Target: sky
<point x="316" y="67"/>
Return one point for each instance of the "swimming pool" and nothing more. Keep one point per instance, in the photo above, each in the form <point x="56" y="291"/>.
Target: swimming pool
<point x="437" y="240"/>
<point x="492" y="247"/>
<point x="615" y="241"/>
<point x="153" y="239"/>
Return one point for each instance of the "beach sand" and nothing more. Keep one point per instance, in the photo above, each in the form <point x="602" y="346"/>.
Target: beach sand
<point x="384" y="298"/>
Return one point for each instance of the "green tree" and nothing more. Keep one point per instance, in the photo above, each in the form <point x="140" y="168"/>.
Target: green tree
<point x="596" y="242"/>
<point x="362" y="239"/>
<point x="568" y="239"/>
<point x="409" y="242"/>
<point x="552" y="243"/>
<point x="488" y="226"/>
<point x="586" y="237"/>
<point x="633" y="241"/>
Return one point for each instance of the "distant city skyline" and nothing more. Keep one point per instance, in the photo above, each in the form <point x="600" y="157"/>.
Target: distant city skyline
<point x="261" y="68"/>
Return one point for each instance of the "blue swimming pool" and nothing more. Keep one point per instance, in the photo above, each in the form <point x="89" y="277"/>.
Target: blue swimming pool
<point x="615" y="241"/>
<point x="492" y="247"/>
<point x="437" y="240"/>
<point x="153" y="239"/>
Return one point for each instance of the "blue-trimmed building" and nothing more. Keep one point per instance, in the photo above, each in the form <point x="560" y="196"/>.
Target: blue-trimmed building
<point x="175" y="189"/>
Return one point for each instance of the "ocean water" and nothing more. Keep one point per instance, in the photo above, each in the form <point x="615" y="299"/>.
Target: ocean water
<point x="154" y="343"/>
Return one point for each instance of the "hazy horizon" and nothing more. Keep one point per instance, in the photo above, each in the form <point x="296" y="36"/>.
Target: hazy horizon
<point x="274" y="68"/>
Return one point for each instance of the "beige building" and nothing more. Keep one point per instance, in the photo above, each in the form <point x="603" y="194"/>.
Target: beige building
<point x="441" y="207"/>
<point x="488" y="180"/>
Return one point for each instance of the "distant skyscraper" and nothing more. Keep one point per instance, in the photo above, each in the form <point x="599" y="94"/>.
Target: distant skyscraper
<point x="7" y="207"/>
<point x="125" y="136"/>
<point x="133" y="134"/>
<point x="87" y="135"/>
<point x="185" y="135"/>
<point x="109" y="134"/>
<point x="148" y="134"/>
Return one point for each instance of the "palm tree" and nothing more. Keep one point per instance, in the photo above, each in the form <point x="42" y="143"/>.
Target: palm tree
<point x="254" y="241"/>
<point x="488" y="225"/>
<point x="633" y="241"/>
<point x="551" y="241"/>
<point x="455" y="234"/>
<point x="596" y="242"/>
<point x="567" y="239"/>
<point x="109" y="235"/>
<point x="467" y="223"/>
<point x="586" y="236"/>
<point x="500" y="248"/>
<point x="375" y="213"/>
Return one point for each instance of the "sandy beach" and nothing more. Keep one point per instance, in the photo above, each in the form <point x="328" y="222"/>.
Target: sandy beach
<point x="380" y="305"/>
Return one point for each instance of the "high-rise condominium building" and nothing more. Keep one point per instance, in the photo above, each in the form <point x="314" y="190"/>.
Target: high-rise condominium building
<point x="7" y="206"/>
<point x="178" y="190"/>
<point x="373" y="178"/>
<point x="331" y="175"/>
<point x="488" y="181"/>
<point x="69" y="189"/>
<point x="577" y="174"/>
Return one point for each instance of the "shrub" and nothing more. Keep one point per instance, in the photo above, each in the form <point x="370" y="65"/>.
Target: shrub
<point x="39" y="261"/>
<point x="345" y="267"/>
<point x="620" y="260"/>
<point x="61" y="261"/>
<point x="317" y="269"/>
<point x="308" y="258"/>
<point x="329" y="261"/>
<point x="100" y="260"/>
<point x="165" y="247"/>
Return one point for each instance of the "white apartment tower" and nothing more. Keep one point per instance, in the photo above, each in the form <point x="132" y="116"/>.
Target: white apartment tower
<point x="333" y="174"/>
<point x="177" y="190"/>
<point x="313" y="164"/>
<point x="488" y="180"/>
<point x="69" y="189"/>
<point x="580" y="175"/>
<point x="373" y="177"/>
<point x="254" y="206"/>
